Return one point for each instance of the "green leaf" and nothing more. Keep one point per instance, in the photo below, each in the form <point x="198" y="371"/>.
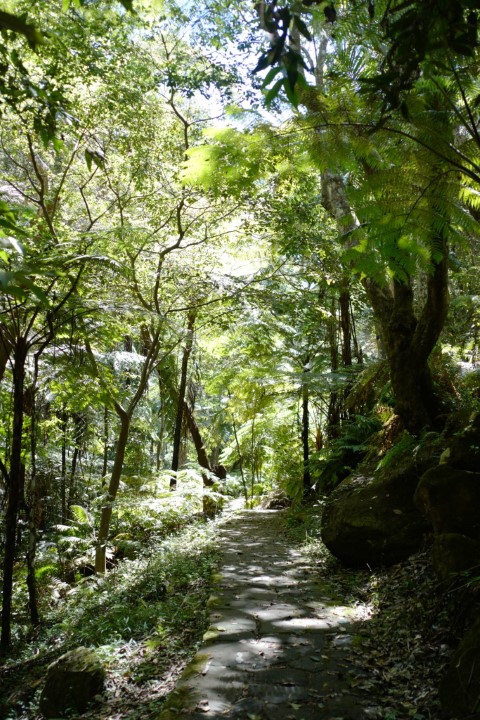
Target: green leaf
<point x="274" y="91"/>
<point x="30" y="285"/>
<point x="290" y="92"/>
<point x="127" y="4"/>
<point x="88" y="159"/>
<point x="93" y="156"/>
<point x="263" y="62"/>
<point x="80" y="514"/>
<point x="302" y="28"/>
<point x="270" y="75"/>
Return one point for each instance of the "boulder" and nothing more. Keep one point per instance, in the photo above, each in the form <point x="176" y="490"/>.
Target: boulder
<point x="72" y="682"/>
<point x="450" y="498"/>
<point x="460" y="687"/>
<point x="453" y="553"/>
<point x="463" y="447"/>
<point x="373" y="520"/>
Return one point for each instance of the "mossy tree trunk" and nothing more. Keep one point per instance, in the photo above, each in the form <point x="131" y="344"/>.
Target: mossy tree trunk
<point x="409" y="341"/>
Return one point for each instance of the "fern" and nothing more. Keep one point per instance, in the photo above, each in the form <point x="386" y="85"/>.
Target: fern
<point x="406" y="443"/>
<point x="80" y="515"/>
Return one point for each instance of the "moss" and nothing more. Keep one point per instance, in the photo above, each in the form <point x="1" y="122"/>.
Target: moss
<point x="213" y="601"/>
<point x="178" y="702"/>
<point x="196" y="666"/>
<point x="211" y="634"/>
<point x="183" y="699"/>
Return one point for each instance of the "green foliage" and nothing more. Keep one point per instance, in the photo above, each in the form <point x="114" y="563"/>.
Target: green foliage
<point x="332" y="466"/>
<point x="160" y="593"/>
<point x="369" y="387"/>
<point x="404" y="445"/>
<point x="303" y="522"/>
<point x="240" y="155"/>
<point x="468" y="386"/>
<point x="74" y="542"/>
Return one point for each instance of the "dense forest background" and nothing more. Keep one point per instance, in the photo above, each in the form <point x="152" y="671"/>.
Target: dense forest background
<point x="239" y="249"/>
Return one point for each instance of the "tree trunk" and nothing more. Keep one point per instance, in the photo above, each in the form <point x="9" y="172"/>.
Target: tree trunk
<point x="407" y="341"/>
<point x="13" y="489"/>
<point x="32" y="505"/>
<point x="240" y="463"/>
<point x="202" y="456"/>
<point x="107" y="508"/>
<point x="63" y="488"/>
<point x="409" y="345"/>
<point x="333" y="413"/>
<point x="30" y="558"/>
<point x="105" y="442"/>
<point x="345" y="324"/>
<point x="177" y="436"/>
<point x="307" y="480"/>
<point x="78" y="430"/>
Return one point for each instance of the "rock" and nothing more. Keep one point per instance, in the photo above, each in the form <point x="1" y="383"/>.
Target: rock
<point x="450" y="498"/>
<point x="453" y="553"/>
<point x="463" y="447"/>
<point x="372" y="520"/>
<point x="460" y="687"/>
<point x="72" y="682"/>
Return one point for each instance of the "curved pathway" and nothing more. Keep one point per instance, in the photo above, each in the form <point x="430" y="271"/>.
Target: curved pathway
<point x="278" y="642"/>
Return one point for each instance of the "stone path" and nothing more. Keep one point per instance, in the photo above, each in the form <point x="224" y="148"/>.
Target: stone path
<point x="277" y="646"/>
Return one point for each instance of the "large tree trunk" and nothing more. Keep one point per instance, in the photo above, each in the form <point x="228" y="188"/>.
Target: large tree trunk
<point x="177" y="436"/>
<point x="409" y="343"/>
<point x="105" y="442"/>
<point x="15" y="481"/>
<point x="345" y="323"/>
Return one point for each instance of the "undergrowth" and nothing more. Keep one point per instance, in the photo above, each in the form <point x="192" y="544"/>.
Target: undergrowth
<point x="151" y="609"/>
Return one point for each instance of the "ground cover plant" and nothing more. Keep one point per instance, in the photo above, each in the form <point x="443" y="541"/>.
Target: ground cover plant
<point x="144" y="619"/>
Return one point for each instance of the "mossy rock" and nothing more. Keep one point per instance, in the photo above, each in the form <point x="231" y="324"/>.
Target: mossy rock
<point x="463" y="447"/>
<point x="72" y="683"/>
<point x="460" y="687"/>
<point x="453" y="554"/>
<point x="450" y="498"/>
<point x="372" y="520"/>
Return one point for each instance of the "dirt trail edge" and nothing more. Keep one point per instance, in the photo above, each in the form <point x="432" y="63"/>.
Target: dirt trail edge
<point x="277" y="646"/>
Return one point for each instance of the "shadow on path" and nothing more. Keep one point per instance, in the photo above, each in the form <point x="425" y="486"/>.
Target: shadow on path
<point x="277" y="646"/>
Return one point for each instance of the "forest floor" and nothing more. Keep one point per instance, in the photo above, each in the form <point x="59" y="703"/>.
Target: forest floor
<point x="292" y="636"/>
